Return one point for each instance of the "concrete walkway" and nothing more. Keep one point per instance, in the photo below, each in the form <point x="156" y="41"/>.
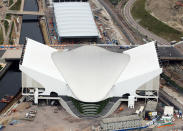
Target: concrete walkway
<point x="3" y="29"/>
<point x="22" y="6"/>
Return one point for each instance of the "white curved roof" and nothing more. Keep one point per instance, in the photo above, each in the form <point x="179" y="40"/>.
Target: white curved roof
<point x="89" y="69"/>
<point x="90" y="73"/>
<point x="75" y="19"/>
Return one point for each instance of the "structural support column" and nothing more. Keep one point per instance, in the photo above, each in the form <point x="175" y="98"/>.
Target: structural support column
<point x="36" y="96"/>
<point x="131" y="101"/>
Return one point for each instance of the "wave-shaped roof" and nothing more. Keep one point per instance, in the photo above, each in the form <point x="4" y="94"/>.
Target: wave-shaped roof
<point x="89" y="69"/>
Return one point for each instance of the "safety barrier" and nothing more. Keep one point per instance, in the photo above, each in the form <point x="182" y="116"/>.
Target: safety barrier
<point x="5" y="47"/>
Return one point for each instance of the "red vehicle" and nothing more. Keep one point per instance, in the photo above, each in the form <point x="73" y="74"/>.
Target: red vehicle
<point x="3" y="100"/>
<point x="6" y="99"/>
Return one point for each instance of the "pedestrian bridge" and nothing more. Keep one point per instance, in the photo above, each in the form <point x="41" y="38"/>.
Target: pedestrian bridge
<point x="25" y="12"/>
<point x="10" y="54"/>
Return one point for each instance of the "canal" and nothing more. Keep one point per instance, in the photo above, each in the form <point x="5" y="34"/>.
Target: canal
<point x="30" y="24"/>
<point x="10" y="84"/>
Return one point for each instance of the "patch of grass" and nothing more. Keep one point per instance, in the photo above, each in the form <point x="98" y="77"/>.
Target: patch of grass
<point x="102" y="105"/>
<point x="10" y="2"/>
<point x="1" y="36"/>
<point x="152" y="24"/>
<point x="11" y="42"/>
<point x="16" y="6"/>
<point x="6" y="25"/>
<point x="1" y="67"/>
<point x="10" y="36"/>
<point x="77" y="104"/>
<point x="8" y="16"/>
<point x="114" y="2"/>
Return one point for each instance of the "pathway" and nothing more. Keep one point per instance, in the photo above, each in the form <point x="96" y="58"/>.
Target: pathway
<point x="134" y="24"/>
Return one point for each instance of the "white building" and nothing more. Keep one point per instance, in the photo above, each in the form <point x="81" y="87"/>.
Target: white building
<point x="168" y="111"/>
<point x="90" y="75"/>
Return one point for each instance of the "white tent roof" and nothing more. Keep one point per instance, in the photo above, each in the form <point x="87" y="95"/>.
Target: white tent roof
<point x="75" y="19"/>
<point x="90" y="73"/>
<point x="90" y="69"/>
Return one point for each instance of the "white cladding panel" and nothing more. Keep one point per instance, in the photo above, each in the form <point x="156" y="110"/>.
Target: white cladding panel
<point x="29" y="82"/>
<point x="168" y="110"/>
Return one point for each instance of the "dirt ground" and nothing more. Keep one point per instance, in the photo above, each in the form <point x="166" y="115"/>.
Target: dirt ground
<point x="166" y="11"/>
<point x="47" y="120"/>
<point x="107" y="24"/>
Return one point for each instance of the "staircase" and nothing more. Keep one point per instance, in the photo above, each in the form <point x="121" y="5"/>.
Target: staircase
<point x="89" y="110"/>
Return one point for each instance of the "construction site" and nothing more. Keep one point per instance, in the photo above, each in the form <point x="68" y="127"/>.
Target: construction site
<point x="158" y="104"/>
<point x="170" y="12"/>
<point x="167" y="11"/>
<point x="108" y="31"/>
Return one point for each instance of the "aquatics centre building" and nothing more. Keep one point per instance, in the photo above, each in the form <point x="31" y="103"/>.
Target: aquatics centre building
<point x="90" y="80"/>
